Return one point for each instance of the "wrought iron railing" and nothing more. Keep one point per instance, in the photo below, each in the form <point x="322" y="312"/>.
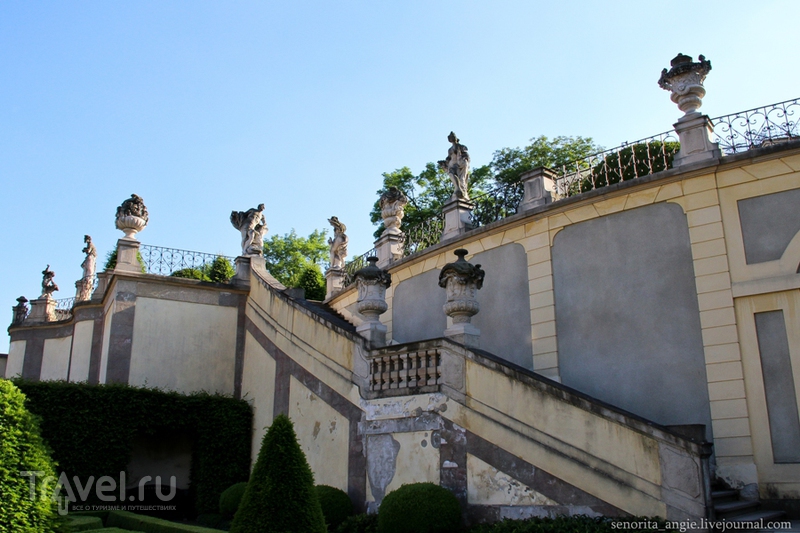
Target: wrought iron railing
<point x="496" y="204"/>
<point x="165" y="261"/>
<point x="64" y="307"/>
<point x="761" y="126"/>
<point x="424" y="235"/>
<point x="356" y="264"/>
<point x="622" y="163"/>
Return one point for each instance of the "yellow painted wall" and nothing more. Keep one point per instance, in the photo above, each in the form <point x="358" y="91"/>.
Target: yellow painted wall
<point x="55" y="358"/>
<point x="183" y="346"/>
<point x="258" y="388"/>
<point x="16" y="357"/>
<point x="81" y="350"/>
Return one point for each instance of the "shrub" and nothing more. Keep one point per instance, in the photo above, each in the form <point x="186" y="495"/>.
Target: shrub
<point x="419" y="508"/>
<point x="220" y="270"/>
<point x="280" y="495"/>
<point x="230" y="499"/>
<point x="91" y="429"/>
<point x="631" y="162"/>
<point x="313" y="282"/>
<point x="190" y="273"/>
<point x="336" y="505"/>
<point x="360" y="523"/>
<point x="22" y="449"/>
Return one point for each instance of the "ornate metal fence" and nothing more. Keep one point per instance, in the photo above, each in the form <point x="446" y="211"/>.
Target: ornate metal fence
<point x="761" y="126"/>
<point x="421" y="236"/>
<point x="622" y="163"/>
<point x="64" y="308"/>
<point x="356" y="264"/>
<point x="496" y="204"/>
<point x="164" y="261"/>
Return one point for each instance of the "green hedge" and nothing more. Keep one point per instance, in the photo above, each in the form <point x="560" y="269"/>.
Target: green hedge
<point x="22" y="449"/>
<point x="91" y="429"/>
<point x="336" y="505"/>
<point x="419" y="508"/>
<point x="565" y="524"/>
<point x="149" y="524"/>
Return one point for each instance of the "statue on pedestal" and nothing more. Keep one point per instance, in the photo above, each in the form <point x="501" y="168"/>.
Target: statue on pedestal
<point x="457" y="167"/>
<point x="338" y="244"/>
<point x="48" y="285"/>
<point x="86" y="283"/>
<point x="253" y="226"/>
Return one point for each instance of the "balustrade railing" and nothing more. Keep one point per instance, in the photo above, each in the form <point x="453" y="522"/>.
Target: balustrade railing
<point x="405" y="370"/>
<point x="423" y="235"/>
<point x="761" y="126"/>
<point x="64" y="307"/>
<point x="165" y="261"/>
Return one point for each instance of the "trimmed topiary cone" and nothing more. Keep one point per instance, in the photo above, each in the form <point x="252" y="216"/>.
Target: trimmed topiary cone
<point x="280" y="496"/>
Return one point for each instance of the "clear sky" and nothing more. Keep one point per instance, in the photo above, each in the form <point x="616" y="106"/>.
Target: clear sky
<point x="204" y="107"/>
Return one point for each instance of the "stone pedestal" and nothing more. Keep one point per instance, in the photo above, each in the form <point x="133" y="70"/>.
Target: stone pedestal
<point x="456" y="218"/>
<point x="43" y="309"/>
<point x="538" y="184"/>
<point x="127" y="252"/>
<point x="694" y="131"/>
<point x="334" y="281"/>
<point x="464" y="333"/>
<point x="242" y="276"/>
<point x="389" y="248"/>
<point x="102" y="284"/>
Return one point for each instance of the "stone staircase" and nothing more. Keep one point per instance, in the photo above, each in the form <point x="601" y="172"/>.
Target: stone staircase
<point x="729" y="506"/>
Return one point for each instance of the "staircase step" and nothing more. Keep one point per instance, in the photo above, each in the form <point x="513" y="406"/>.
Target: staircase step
<point x="755" y="516"/>
<point x="724" y="494"/>
<point x="735" y="506"/>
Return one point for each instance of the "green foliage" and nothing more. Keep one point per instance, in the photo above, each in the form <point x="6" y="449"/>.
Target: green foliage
<point x="313" y="282"/>
<point x="288" y="256"/>
<point x="360" y="523"/>
<point x="631" y="162"/>
<point x="336" y="505"/>
<point x="147" y="524"/>
<point x="218" y="271"/>
<point x="214" y="521"/>
<point x="91" y="429"/>
<point x="419" y="508"/>
<point x="563" y="524"/>
<point x="280" y="496"/>
<point x="22" y="449"/>
<point x="428" y="191"/>
<point x="230" y="499"/>
<point x="111" y="260"/>
<point x="84" y="523"/>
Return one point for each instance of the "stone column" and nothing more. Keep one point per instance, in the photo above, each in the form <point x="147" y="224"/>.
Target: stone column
<point x="334" y="281"/>
<point x="457" y="218"/>
<point x="694" y="132"/>
<point x="102" y="284"/>
<point x="462" y="281"/>
<point x="372" y="283"/>
<point x="20" y="311"/>
<point x="242" y="276"/>
<point x="389" y="248"/>
<point x="43" y="309"/>
<point x="538" y="184"/>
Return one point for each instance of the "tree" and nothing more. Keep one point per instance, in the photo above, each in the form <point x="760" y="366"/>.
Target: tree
<point x="288" y="256"/>
<point x="312" y="281"/>
<point x="219" y="271"/>
<point x="280" y="496"/>
<point x="429" y="190"/>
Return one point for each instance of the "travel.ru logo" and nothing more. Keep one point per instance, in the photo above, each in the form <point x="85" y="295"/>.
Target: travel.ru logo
<point x="106" y="489"/>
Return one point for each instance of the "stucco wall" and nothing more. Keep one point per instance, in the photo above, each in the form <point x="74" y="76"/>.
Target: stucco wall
<point x="16" y="357"/>
<point x="55" y="358"/>
<point x="183" y="346"/>
<point x="258" y="388"/>
<point x="81" y="350"/>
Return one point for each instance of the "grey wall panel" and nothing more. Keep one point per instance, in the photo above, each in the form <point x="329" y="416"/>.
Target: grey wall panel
<point x="627" y="316"/>
<point x="417" y="308"/>
<point x="776" y="367"/>
<point x="769" y="223"/>
<point x="504" y="318"/>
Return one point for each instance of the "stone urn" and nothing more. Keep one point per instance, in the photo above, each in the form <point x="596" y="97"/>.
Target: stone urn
<point x="372" y="283"/>
<point x="685" y="81"/>
<point x="461" y="280"/>
<point x="393" y="203"/>
<point x="132" y="216"/>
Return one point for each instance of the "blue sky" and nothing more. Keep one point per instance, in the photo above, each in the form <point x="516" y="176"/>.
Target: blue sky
<point x="204" y="107"/>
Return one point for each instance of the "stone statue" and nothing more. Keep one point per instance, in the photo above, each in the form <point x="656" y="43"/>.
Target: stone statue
<point x="685" y="81"/>
<point x="338" y="244"/>
<point x="48" y="285"/>
<point x="132" y="216"/>
<point x="253" y="226"/>
<point x="20" y="311"/>
<point x="393" y="203"/>
<point x="457" y="167"/>
<point x="86" y="284"/>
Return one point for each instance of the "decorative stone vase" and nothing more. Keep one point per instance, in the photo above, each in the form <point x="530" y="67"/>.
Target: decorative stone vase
<point x="393" y="203"/>
<point x="130" y="225"/>
<point x="20" y="311"/>
<point x="685" y="81"/>
<point x="461" y="280"/>
<point x="372" y="283"/>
